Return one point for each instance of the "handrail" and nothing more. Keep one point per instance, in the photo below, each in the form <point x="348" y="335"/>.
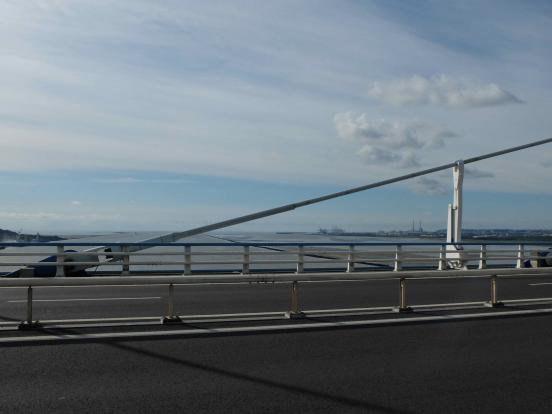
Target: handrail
<point x="265" y="277"/>
<point x="287" y="257"/>
<point x="295" y="311"/>
<point x="274" y="244"/>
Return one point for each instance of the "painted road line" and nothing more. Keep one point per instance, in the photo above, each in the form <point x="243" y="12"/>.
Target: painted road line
<point x="85" y="299"/>
<point x="286" y="328"/>
<point x="540" y="284"/>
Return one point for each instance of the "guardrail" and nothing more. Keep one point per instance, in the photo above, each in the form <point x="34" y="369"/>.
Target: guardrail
<point x="296" y="257"/>
<point x="295" y="310"/>
<point x="353" y="261"/>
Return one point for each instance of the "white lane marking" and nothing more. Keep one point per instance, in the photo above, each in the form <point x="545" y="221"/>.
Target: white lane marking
<point x="540" y="284"/>
<point x="252" y="282"/>
<point x="268" y="328"/>
<point x="84" y="299"/>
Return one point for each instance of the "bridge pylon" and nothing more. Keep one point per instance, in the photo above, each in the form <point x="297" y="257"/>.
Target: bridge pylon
<point x="455" y="253"/>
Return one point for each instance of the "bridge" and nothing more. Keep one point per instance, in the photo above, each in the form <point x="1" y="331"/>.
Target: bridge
<point x="443" y="326"/>
<point x="294" y="264"/>
<point x="343" y="328"/>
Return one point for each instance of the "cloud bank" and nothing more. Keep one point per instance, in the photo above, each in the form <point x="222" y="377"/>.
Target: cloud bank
<point x="430" y="186"/>
<point x="440" y="90"/>
<point x="474" y="172"/>
<point x="441" y="183"/>
<point x="385" y="142"/>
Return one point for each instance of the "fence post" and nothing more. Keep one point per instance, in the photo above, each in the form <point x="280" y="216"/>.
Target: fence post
<point x="60" y="259"/>
<point x="483" y="257"/>
<point x="351" y="259"/>
<point x="171" y="317"/>
<point x="520" y="256"/>
<point x="294" y="311"/>
<point x="29" y="305"/>
<point x="126" y="261"/>
<point x="245" y="265"/>
<point x="187" y="260"/>
<point x="300" y="259"/>
<point x="398" y="261"/>
<point x="29" y="323"/>
<point x="442" y="258"/>
<point x="494" y="303"/>
<point x="403" y="307"/>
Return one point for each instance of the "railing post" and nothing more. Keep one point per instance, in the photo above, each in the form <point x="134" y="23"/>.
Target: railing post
<point x="442" y="258"/>
<point x="126" y="261"/>
<point x="246" y="260"/>
<point x="187" y="260"/>
<point x="294" y="311"/>
<point x="60" y="258"/>
<point x="494" y="303"/>
<point x="301" y="259"/>
<point x="398" y="261"/>
<point x="171" y="317"/>
<point x="403" y="307"/>
<point x="170" y="310"/>
<point x="29" y="305"/>
<point x="483" y="257"/>
<point x="351" y="259"/>
<point x="29" y="323"/>
<point x="520" y="256"/>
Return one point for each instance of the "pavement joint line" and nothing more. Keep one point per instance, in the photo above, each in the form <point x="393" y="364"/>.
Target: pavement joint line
<point x="84" y="299"/>
<point x="256" y="282"/>
<point x="204" y="332"/>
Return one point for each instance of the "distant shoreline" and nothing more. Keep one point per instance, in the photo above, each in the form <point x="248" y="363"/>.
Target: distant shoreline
<point x="441" y="236"/>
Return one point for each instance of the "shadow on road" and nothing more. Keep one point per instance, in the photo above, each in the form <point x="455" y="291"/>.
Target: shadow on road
<point x="235" y="375"/>
<point x="4" y="318"/>
<point x="339" y="399"/>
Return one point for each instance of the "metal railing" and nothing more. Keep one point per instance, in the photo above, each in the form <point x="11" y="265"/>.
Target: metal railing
<point x="299" y="262"/>
<point x="294" y="279"/>
<point x="250" y="257"/>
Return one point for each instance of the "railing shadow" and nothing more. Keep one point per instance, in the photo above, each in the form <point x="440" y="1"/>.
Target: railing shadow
<point x="339" y="399"/>
<point x="239" y="376"/>
<point x="4" y="318"/>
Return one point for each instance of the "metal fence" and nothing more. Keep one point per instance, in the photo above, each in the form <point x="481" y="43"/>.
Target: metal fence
<point x="300" y="262"/>
<point x="189" y="258"/>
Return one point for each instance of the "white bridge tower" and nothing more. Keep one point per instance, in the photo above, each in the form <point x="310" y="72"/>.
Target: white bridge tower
<point x="454" y="253"/>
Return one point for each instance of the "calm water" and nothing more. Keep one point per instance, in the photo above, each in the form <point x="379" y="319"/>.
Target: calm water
<point x="314" y="238"/>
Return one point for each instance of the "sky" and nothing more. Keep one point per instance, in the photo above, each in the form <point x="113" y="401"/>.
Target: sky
<point x="135" y="115"/>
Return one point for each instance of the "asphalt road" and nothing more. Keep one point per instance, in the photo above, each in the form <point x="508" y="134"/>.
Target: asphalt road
<point x="491" y="365"/>
<point x="488" y="366"/>
<point x="113" y="301"/>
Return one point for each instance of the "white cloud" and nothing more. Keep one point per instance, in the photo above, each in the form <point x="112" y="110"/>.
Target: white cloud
<point x="133" y="180"/>
<point x="118" y="180"/>
<point x="474" y="172"/>
<point x="441" y="90"/>
<point x="441" y="183"/>
<point x="41" y="216"/>
<point x="429" y="186"/>
<point x="76" y="203"/>
<point x="383" y="142"/>
<point x="109" y="86"/>
<point x="377" y="155"/>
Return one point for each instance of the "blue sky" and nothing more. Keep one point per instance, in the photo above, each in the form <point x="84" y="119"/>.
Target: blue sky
<point x="139" y="115"/>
